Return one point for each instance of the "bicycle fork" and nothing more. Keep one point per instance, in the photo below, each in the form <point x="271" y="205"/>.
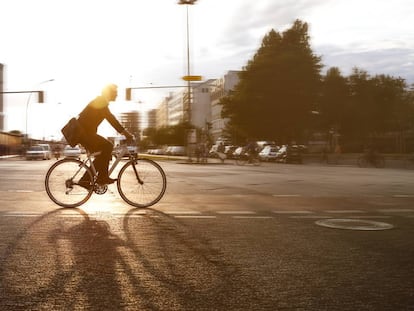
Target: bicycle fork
<point x="141" y="182"/>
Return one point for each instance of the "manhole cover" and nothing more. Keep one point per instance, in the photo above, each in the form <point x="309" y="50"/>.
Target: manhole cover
<point x="354" y="224"/>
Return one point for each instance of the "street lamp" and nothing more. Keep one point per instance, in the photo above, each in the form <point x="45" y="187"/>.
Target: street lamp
<point x="188" y="2"/>
<point x="40" y="101"/>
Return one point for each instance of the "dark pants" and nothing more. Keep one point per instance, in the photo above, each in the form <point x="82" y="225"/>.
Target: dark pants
<point x="94" y="143"/>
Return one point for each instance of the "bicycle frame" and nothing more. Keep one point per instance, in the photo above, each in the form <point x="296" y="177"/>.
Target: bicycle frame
<point x="88" y="161"/>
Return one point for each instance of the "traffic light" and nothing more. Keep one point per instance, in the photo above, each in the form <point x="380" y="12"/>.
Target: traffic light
<point x="128" y="93"/>
<point x="40" y="97"/>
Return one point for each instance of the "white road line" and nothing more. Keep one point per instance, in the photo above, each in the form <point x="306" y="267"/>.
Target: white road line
<point x="292" y="212"/>
<point x="403" y="196"/>
<point x="369" y="217"/>
<point x="21" y="191"/>
<point x="182" y="212"/>
<point x="396" y="210"/>
<point x="235" y="212"/>
<point x="309" y="217"/>
<point x="195" y="216"/>
<point x="344" y="211"/>
<point x="252" y="217"/>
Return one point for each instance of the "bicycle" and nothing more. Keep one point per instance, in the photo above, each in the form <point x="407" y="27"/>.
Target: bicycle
<point x="141" y="182"/>
<point x="246" y="158"/>
<point x="409" y="162"/>
<point x="377" y="160"/>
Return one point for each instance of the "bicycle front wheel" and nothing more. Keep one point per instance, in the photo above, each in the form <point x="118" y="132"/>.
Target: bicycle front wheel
<point x="141" y="183"/>
<point x="241" y="160"/>
<point x="62" y="186"/>
<point x="379" y="162"/>
<point x="362" y="161"/>
<point x="256" y="161"/>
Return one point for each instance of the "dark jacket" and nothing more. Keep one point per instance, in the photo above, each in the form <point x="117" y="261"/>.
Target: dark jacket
<point x="94" y="113"/>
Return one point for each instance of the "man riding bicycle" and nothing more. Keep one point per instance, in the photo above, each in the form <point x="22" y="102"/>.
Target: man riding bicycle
<point x="90" y="118"/>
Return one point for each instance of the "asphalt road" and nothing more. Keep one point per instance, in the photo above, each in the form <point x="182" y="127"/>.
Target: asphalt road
<point x="224" y="237"/>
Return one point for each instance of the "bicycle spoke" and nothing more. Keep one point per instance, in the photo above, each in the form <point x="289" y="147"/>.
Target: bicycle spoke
<point x="146" y="190"/>
<point x="62" y="183"/>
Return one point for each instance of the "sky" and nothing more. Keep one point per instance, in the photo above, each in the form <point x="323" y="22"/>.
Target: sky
<point x="83" y="45"/>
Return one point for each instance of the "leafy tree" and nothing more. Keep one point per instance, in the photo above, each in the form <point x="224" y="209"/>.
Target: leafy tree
<point x="333" y="103"/>
<point x="277" y="88"/>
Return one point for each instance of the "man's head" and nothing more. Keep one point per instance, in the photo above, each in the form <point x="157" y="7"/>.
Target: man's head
<point x="110" y="92"/>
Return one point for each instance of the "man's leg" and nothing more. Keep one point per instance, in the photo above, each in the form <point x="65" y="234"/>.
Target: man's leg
<point x="96" y="143"/>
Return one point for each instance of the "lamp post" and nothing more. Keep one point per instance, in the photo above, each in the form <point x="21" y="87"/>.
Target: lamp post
<point x="189" y="97"/>
<point x="28" y="101"/>
<point x="187" y="3"/>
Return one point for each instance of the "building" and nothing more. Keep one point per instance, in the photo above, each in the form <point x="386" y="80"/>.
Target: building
<point x="220" y="88"/>
<point x="205" y="108"/>
<point x="151" y="118"/>
<point x="131" y="121"/>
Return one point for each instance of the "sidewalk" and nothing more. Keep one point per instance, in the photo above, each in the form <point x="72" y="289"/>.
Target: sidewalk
<point x="9" y="156"/>
<point x="345" y="159"/>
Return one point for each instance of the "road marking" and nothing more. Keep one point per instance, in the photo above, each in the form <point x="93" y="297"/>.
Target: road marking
<point x="403" y="196"/>
<point x="252" y="217"/>
<point x="370" y="217"/>
<point x="182" y="212"/>
<point x="309" y="217"/>
<point x="195" y="216"/>
<point x="235" y="212"/>
<point x="21" y="191"/>
<point x="396" y="210"/>
<point x="354" y="224"/>
<point x="344" y="211"/>
<point x="292" y="212"/>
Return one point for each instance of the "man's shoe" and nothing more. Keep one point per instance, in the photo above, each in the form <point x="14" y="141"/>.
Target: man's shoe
<point x="105" y="181"/>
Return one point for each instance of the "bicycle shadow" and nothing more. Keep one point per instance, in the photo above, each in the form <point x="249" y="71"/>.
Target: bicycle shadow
<point x="67" y="260"/>
<point x="189" y="272"/>
<point x="61" y="261"/>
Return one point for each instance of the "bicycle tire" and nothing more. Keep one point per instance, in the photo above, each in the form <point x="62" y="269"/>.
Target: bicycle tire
<point x="256" y="161"/>
<point x="379" y="162"/>
<point x="241" y="160"/>
<point x="149" y="191"/>
<point x="61" y="183"/>
<point x="362" y="161"/>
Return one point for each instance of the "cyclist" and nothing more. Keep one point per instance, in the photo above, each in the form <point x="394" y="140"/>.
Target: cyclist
<point x="90" y="118"/>
<point x="252" y="150"/>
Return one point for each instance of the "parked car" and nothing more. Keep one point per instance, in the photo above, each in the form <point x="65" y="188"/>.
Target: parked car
<point x="36" y="153"/>
<point x="268" y="153"/>
<point x="229" y="150"/>
<point x="289" y="154"/>
<point x="176" y="150"/>
<point x="238" y="152"/>
<point x="47" y="149"/>
<point x="72" y="152"/>
<point x="132" y="149"/>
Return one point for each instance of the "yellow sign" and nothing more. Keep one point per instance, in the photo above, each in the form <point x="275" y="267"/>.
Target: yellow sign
<point x="192" y="78"/>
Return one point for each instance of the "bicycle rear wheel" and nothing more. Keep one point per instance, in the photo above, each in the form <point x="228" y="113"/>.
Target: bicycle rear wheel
<point x="241" y="160"/>
<point x="141" y="183"/>
<point x="62" y="186"/>
<point x="362" y="161"/>
<point x="256" y="161"/>
<point x="379" y="162"/>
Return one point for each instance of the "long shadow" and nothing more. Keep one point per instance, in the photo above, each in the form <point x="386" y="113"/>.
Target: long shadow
<point x="61" y="262"/>
<point x="71" y="261"/>
<point x="182" y="264"/>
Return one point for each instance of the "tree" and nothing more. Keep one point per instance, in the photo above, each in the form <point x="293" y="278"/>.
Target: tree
<point x="277" y="88"/>
<point x="333" y="103"/>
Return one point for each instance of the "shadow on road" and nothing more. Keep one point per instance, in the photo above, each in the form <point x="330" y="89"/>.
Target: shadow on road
<point x="66" y="260"/>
